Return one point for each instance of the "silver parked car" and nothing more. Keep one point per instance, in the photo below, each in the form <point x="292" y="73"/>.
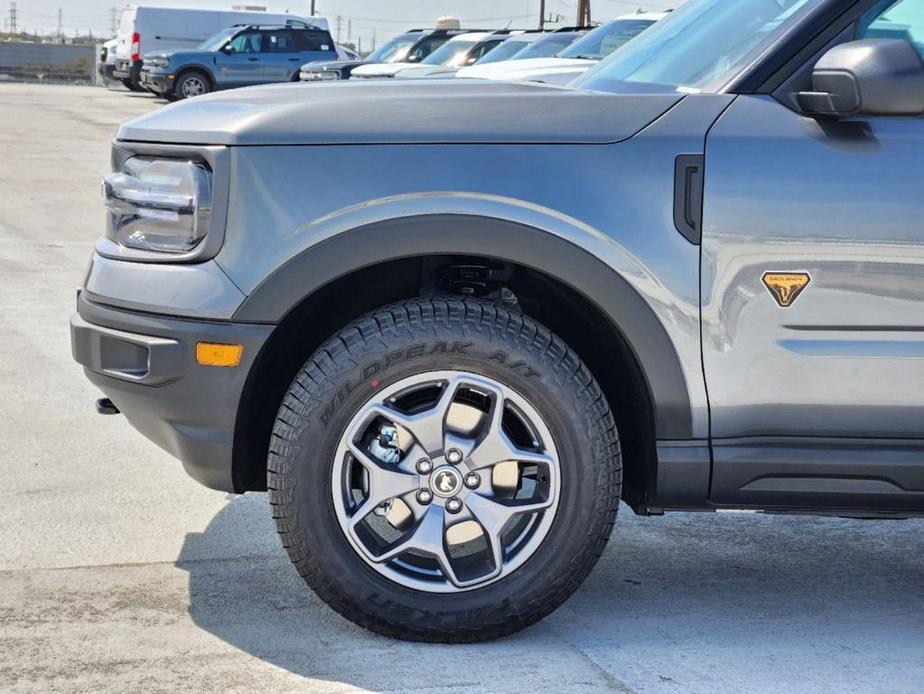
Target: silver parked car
<point x="449" y="327"/>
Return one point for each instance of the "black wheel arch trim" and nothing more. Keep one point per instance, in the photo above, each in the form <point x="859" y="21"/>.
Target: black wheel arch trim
<point x="393" y="239"/>
<point x="195" y="67"/>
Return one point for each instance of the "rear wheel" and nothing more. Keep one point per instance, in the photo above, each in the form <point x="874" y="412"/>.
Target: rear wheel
<point x="444" y="470"/>
<point x="191" y="84"/>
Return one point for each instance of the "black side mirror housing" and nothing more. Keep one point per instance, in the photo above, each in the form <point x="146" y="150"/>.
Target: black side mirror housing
<point x="228" y="50"/>
<point x="871" y="77"/>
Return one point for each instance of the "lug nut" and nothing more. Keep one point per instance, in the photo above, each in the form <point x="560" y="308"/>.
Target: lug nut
<point x="425" y="496"/>
<point x="454" y="455"/>
<point x="424" y="466"/>
<point x="454" y="505"/>
<point x="472" y="480"/>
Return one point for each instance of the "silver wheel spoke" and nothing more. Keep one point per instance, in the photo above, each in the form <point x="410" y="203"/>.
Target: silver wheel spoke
<point x="426" y="427"/>
<point x="493" y="515"/>
<point x="427" y="537"/>
<point x="385" y="482"/>
<point x="495" y="446"/>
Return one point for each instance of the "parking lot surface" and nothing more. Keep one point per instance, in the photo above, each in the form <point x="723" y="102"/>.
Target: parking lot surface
<point x="117" y="572"/>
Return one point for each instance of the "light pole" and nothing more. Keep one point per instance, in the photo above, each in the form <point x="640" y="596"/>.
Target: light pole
<point x="583" y="13"/>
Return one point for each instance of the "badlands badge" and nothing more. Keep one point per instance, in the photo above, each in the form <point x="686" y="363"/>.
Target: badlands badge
<point x="785" y="287"/>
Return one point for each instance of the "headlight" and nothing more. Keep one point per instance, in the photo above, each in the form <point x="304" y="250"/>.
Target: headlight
<point x="317" y="75"/>
<point x="158" y="61"/>
<point x="159" y="204"/>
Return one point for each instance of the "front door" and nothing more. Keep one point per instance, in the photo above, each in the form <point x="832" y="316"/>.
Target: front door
<point x="813" y="302"/>
<point x="241" y="63"/>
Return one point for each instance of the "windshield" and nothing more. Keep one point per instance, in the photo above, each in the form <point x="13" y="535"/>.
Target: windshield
<point x="698" y="47"/>
<point x="451" y="53"/>
<point x="218" y="40"/>
<point x="603" y="40"/>
<point x="505" y="51"/>
<point x="547" y="46"/>
<point x="394" y="50"/>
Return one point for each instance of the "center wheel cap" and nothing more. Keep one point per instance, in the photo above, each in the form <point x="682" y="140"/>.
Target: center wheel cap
<point x="445" y="481"/>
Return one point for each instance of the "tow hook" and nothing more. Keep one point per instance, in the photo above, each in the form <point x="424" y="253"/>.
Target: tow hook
<point x="106" y="406"/>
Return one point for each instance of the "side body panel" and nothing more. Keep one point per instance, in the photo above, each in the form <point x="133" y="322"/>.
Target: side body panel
<point x="614" y="202"/>
<point x="843" y="202"/>
<point x="843" y="363"/>
<point x="238" y="69"/>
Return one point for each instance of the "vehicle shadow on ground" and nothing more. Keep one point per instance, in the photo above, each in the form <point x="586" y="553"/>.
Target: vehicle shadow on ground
<point x="681" y="602"/>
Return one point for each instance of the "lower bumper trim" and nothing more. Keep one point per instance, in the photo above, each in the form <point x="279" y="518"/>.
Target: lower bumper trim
<point x="145" y="365"/>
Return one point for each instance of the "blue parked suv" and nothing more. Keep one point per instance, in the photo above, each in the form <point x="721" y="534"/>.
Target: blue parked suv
<point x="237" y="57"/>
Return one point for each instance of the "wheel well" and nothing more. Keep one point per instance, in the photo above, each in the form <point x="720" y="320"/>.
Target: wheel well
<point x="201" y="70"/>
<point x="572" y="316"/>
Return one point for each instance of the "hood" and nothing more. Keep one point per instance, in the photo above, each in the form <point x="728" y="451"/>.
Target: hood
<point x="426" y="71"/>
<point x="400" y="111"/>
<point x="181" y="56"/>
<point x="382" y="69"/>
<point x="321" y="65"/>
<point x="525" y="69"/>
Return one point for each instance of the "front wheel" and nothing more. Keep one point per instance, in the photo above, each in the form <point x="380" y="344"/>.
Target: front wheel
<point x="191" y="84"/>
<point x="444" y="470"/>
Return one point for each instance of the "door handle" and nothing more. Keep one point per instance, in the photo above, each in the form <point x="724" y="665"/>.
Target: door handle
<point x="295" y="60"/>
<point x="253" y="60"/>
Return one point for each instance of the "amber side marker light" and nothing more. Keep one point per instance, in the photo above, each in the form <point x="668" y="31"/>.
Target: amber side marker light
<point x="214" y="354"/>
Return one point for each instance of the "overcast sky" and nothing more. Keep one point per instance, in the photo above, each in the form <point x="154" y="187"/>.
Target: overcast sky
<point x="385" y="17"/>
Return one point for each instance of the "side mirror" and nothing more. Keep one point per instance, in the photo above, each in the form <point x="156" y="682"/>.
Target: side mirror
<point x="872" y="77"/>
<point x="228" y="50"/>
<point x="412" y="59"/>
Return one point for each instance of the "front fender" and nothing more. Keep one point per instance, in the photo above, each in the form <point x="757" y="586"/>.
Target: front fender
<point x="457" y="223"/>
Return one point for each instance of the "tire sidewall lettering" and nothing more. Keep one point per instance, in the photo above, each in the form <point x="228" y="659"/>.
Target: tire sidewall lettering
<point x="381" y="367"/>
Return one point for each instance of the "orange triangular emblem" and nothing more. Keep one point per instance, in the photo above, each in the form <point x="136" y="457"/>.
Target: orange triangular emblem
<point x="785" y="287"/>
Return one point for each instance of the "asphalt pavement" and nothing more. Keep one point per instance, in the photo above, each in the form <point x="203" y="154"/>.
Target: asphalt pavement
<point x="119" y="573"/>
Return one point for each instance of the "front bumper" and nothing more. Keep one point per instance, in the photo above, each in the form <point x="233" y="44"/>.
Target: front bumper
<point x="147" y="366"/>
<point x="127" y="69"/>
<point x="160" y="83"/>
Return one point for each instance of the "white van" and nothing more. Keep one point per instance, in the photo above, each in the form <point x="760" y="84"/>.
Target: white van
<point x="148" y="29"/>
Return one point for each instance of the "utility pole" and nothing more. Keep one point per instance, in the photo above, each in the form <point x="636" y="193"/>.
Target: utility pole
<point x="12" y="23"/>
<point x="114" y="21"/>
<point x="349" y="30"/>
<point x="312" y="9"/>
<point x="373" y="39"/>
<point x="583" y="13"/>
<point x="60" y="24"/>
<point x="339" y="22"/>
<point x="541" y="15"/>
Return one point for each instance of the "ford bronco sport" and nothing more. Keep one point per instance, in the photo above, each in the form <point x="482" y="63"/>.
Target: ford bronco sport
<point x="449" y="326"/>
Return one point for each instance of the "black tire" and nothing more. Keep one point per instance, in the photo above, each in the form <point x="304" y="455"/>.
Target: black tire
<point x="131" y="86"/>
<point x="561" y="389"/>
<point x="179" y="89"/>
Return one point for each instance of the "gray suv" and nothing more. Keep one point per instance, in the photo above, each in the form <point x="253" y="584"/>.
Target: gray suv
<point x="448" y="327"/>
